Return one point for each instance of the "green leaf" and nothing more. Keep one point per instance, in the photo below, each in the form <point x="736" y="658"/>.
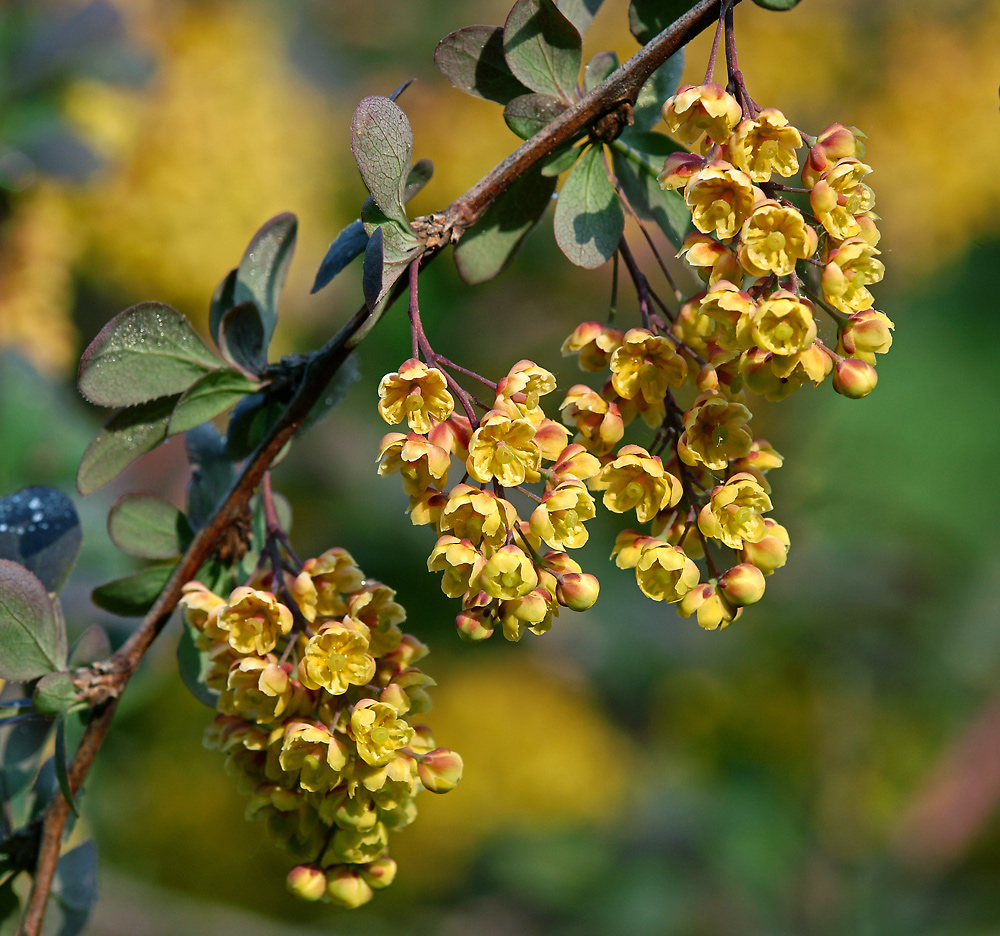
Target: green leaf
<point x="659" y="86"/>
<point x="580" y="13"/>
<point x="543" y="48"/>
<point x="250" y="421"/>
<point x="145" y="352"/>
<point x="62" y="774"/>
<point x="382" y="143"/>
<point x="262" y="272"/>
<point x="421" y="172"/>
<point x="147" y="526"/>
<point x="222" y="302"/>
<point x="127" y="435"/>
<point x="597" y="69"/>
<point x="348" y="244"/>
<point x="20" y="745"/>
<point x="589" y="220"/>
<point x="75" y="887"/>
<point x="562" y="160"/>
<point x="241" y="338"/>
<point x="193" y="664"/>
<point x="636" y="174"/>
<point x="32" y="630"/>
<point x="133" y="595"/>
<point x="648" y="18"/>
<point x="390" y="250"/>
<point x="208" y="397"/>
<point x="55" y="693"/>
<point x="488" y="247"/>
<point x="93" y="645"/>
<point x="40" y="529"/>
<point x="777" y="5"/>
<point x="472" y="59"/>
<point x="526" y="115"/>
<point x="212" y="472"/>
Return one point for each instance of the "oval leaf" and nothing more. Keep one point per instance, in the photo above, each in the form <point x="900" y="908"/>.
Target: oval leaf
<point x="526" y="115"/>
<point x="147" y="526"/>
<point x="40" y="529"/>
<point x="93" y="645"/>
<point x="589" y="220"/>
<point x="133" y="595"/>
<point x="222" y="302"/>
<point x="598" y="68"/>
<point x="262" y="272"/>
<point x="127" y="435"/>
<point x="145" y="352"/>
<point x="543" y="48"/>
<point x="382" y="143"/>
<point x="647" y="18"/>
<point x="250" y="421"/>
<point x="489" y="246"/>
<point x="636" y="173"/>
<point x="562" y="160"/>
<point x="32" y="630"/>
<point x="208" y="397"/>
<point x="472" y="59"/>
<point x="55" y="693"/>
<point x="349" y="244"/>
<point x="421" y="172"/>
<point x="241" y="338"/>
<point x="778" y="5"/>
<point x="212" y="472"/>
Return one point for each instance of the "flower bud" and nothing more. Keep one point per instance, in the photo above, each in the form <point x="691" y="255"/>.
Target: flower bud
<point x="771" y="552"/>
<point x="854" y="378"/>
<point x="578" y="591"/>
<point x="867" y="332"/>
<point x="440" y="771"/>
<point x="678" y="169"/>
<point x="306" y="882"/>
<point x="380" y="873"/>
<point x="474" y="625"/>
<point x="743" y="584"/>
<point x="712" y="609"/>
<point x="708" y="378"/>
<point x="347" y="888"/>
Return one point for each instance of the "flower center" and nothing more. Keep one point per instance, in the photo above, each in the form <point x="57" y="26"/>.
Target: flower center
<point x="776" y="241"/>
<point x="633" y="490"/>
<point x="380" y="735"/>
<point x="336" y="662"/>
<point x="414" y="400"/>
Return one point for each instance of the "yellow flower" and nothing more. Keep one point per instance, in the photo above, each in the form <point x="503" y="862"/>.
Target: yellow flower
<point x="531" y="612"/>
<point x="712" y="608"/>
<point x="505" y="449"/>
<point x="733" y="513"/>
<point x="715" y="432"/>
<point x="840" y="196"/>
<point x="254" y="620"/>
<point x="335" y="658"/>
<point x="575" y="464"/>
<point x="508" y="574"/>
<point x="378" y="731"/>
<point x="765" y="145"/>
<point x="771" y="552"/>
<point x="694" y="328"/>
<point x="708" y="108"/>
<point x="525" y="384"/>
<point x="419" y="462"/>
<point x="258" y="689"/>
<point x="460" y="562"/>
<point x="559" y="518"/>
<point x="320" y="588"/>
<point x="773" y="238"/>
<point x="758" y="461"/>
<point x="784" y="324"/>
<point x="732" y="310"/>
<point x="720" y="197"/>
<point x="646" y="364"/>
<point x="477" y="515"/>
<point x="358" y="846"/>
<point x="834" y="143"/>
<point x="453" y="436"/>
<point x="866" y="334"/>
<point x="416" y="393"/>
<point x="636" y="479"/>
<point x="599" y="424"/>
<point x="374" y="606"/>
<point x="201" y="610"/>
<point x="595" y="343"/>
<point x="318" y="755"/>
<point x="849" y="270"/>
<point x="665" y="573"/>
<point x="711" y="260"/>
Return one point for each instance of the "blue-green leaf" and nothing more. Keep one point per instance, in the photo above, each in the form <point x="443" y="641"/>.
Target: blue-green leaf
<point x="579" y="12"/>
<point x="658" y="87"/>
<point x="206" y="398"/>
<point x="32" y="629"/>
<point x="147" y="526"/>
<point x="241" y="338"/>
<point x="262" y="272"/>
<point x="133" y="595"/>
<point x="637" y="171"/>
<point x="193" y="664"/>
<point x="526" y="115"/>
<point x="648" y="18"/>
<point x="40" y="529"/>
<point x="382" y="143"/>
<point x="598" y="68"/>
<point x="472" y="59"/>
<point x="543" y="48"/>
<point x="589" y="220"/>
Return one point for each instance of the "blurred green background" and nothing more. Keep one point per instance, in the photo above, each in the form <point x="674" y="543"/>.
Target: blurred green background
<point x="830" y="764"/>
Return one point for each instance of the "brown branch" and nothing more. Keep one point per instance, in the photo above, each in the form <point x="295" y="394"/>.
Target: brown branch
<point x="620" y="88"/>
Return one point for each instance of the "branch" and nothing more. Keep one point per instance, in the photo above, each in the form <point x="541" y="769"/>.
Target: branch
<point x="615" y="93"/>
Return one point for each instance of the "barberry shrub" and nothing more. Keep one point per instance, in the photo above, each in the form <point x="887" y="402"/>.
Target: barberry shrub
<point x="306" y="663"/>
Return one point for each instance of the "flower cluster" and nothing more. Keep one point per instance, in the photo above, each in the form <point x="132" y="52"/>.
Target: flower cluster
<point x="315" y="701"/>
<point x="801" y="249"/>
<point x="509" y="572"/>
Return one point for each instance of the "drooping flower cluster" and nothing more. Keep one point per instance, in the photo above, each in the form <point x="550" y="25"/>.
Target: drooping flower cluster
<point x="315" y="703"/>
<point x="509" y="572"/>
<point x="801" y="249"/>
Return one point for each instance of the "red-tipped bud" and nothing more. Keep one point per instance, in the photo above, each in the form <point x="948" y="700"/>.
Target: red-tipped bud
<point x="578" y="591"/>
<point x="440" y="771"/>
<point x="474" y="625"/>
<point x="380" y="873"/>
<point x="854" y="378"/>
<point x="306" y="882"/>
<point x="347" y="888"/>
<point x="678" y="169"/>
<point x="743" y="584"/>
